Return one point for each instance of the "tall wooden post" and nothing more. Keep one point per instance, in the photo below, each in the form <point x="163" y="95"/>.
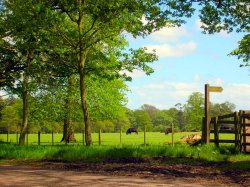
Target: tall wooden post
<point x="206" y="138"/>
<point x="208" y="89"/>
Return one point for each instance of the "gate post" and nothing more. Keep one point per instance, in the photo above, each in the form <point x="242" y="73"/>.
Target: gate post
<point x="236" y="130"/>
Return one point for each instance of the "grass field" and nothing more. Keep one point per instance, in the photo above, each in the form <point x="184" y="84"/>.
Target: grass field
<point x="152" y="138"/>
<point x="158" y="145"/>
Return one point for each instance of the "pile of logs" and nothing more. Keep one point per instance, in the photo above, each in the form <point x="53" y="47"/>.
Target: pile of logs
<point x="192" y="139"/>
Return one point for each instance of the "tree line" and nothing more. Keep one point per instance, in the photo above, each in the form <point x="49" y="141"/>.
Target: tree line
<point x="68" y="55"/>
<point x="184" y="117"/>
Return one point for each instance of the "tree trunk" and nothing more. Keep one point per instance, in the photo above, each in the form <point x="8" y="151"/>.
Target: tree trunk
<point x="88" y="138"/>
<point x="82" y="56"/>
<point x="68" y="127"/>
<point x="65" y="128"/>
<point x="25" y="124"/>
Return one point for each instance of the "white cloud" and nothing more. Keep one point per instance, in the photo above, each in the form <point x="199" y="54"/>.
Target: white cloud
<point x="199" y="24"/>
<point x="162" y="95"/>
<point x="166" y="94"/>
<point x="234" y="93"/>
<point x="173" y="51"/>
<point x="197" y="78"/>
<point x="169" y="34"/>
<point x="216" y="82"/>
<point x="135" y="74"/>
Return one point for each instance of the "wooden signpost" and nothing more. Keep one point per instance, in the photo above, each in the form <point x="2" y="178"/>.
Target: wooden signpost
<point x="206" y="128"/>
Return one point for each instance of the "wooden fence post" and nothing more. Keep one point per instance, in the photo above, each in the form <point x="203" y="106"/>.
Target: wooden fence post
<point x="144" y="135"/>
<point x="120" y="135"/>
<point x="7" y="136"/>
<point x="172" y="129"/>
<point x="39" y="138"/>
<point x="216" y="131"/>
<point x="100" y="136"/>
<point x="52" y="134"/>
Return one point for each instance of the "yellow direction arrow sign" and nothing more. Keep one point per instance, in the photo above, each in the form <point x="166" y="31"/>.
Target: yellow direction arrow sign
<point x="215" y="89"/>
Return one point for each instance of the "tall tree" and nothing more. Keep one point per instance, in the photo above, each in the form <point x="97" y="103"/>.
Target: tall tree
<point x="143" y="120"/>
<point x="20" y="32"/>
<point x="162" y="120"/>
<point x="222" y="108"/>
<point x="91" y="23"/>
<point x="194" y="109"/>
<point x="151" y="110"/>
<point x="11" y="115"/>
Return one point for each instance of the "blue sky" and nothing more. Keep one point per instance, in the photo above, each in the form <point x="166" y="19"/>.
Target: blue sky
<point x="187" y="61"/>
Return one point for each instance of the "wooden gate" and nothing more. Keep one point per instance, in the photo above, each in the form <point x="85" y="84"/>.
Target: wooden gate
<point x="218" y="125"/>
<point x="235" y="123"/>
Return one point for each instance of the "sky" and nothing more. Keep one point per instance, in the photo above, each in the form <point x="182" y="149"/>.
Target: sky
<point x="187" y="61"/>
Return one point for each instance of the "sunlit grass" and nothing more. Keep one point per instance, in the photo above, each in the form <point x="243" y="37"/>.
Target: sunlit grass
<point x="79" y="153"/>
<point x="152" y="138"/>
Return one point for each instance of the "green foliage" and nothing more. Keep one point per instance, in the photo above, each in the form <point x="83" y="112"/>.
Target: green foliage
<point x="121" y="123"/>
<point x="106" y="98"/>
<point x="222" y="108"/>
<point x="11" y="115"/>
<point x="163" y="119"/>
<point x="228" y="16"/>
<point x="243" y="50"/>
<point x="105" y="126"/>
<point x="194" y="109"/>
<point x="59" y="39"/>
<point x="143" y="120"/>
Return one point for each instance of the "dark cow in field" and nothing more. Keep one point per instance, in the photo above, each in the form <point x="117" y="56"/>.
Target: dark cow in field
<point x="226" y="128"/>
<point x="132" y="129"/>
<point x="168" y="130"/>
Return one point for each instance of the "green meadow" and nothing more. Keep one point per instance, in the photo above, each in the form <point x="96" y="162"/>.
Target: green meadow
<point x="111" y="149"/>
<point x="152" y="138"/>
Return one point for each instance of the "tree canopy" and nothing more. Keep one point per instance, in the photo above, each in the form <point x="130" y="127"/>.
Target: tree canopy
<point x="230" y="15"/>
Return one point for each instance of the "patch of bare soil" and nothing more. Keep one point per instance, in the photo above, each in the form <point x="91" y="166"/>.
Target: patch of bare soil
<point x="160" y="168"/>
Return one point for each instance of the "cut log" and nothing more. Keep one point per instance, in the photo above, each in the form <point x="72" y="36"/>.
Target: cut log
<point x="192" y="139"/>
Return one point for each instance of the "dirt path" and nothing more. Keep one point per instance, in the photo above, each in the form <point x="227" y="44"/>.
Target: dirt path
<point x="30" y="176"/>
<point x="96" y="175"/>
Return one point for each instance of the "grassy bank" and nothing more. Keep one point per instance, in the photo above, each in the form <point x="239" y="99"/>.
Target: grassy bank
<point x="78" y="153"/>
